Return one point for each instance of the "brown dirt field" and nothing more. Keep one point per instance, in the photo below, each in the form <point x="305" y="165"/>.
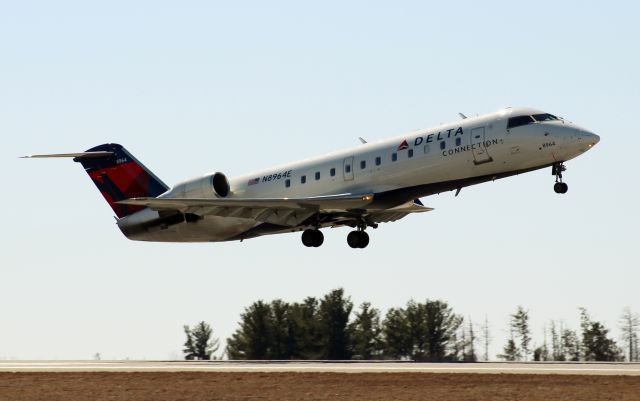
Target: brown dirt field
<point x="205" y="386"/>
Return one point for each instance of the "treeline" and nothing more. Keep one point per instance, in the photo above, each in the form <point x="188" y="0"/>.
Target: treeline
<point x="330" y="328"/>
<point x="323" y="329"/>
<point x="590" y="343"/>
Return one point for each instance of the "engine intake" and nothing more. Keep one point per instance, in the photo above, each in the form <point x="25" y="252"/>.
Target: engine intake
<point x="220" y="184"/>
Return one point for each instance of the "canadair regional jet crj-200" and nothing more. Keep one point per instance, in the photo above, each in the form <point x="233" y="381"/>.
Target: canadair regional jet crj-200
<point x="358" y="187"/>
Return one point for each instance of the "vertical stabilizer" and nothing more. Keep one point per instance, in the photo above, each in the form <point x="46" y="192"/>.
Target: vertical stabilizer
<point x="119" y="176"/>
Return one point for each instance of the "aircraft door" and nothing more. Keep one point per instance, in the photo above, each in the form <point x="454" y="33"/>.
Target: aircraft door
<point x="347" y="168"/>
<point x="478" y="148"/>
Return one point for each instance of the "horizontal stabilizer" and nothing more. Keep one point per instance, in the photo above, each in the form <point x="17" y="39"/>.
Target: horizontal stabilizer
<point x="79" y="155"/>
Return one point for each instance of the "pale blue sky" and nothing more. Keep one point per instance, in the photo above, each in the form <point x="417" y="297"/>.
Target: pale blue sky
<point x="191" y="87"/>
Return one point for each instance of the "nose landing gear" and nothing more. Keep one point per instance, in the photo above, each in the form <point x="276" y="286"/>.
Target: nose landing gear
<point x="559" y="187"/>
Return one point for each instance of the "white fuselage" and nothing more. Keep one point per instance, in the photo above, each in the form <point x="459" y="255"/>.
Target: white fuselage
<point x="406" y="167"/>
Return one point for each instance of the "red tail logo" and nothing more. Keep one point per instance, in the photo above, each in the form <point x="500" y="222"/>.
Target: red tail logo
<point x="404" y="145"/>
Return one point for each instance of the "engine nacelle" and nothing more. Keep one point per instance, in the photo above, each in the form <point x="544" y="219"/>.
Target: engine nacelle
<point x="220" y="185"/>
<point x="210" y="186"/>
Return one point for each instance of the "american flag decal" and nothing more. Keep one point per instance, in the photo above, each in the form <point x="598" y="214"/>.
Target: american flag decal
<point x="253" y="181"/>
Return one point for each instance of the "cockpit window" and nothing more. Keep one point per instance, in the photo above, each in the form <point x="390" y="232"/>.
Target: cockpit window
<point x="544" y="117"/>
<point x="520" y="120"/>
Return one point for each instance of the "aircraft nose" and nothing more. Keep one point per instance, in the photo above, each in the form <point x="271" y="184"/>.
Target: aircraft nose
<point x="589" y="138"/>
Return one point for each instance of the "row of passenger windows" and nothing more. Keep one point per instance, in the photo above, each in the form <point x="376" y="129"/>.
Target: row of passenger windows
<point x="363" y="163"/>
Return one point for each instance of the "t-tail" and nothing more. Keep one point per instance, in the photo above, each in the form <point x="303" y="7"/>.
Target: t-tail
<point x="117" y="174"/>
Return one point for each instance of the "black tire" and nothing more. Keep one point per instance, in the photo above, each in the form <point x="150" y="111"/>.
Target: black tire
<point x="318" y="238"/>
<point x="363" y="241"/>
<point x="557" y="187"/>
<point x="308" y="237"/>
<point x="353" y="239"/>
<point x="564" y="188"/>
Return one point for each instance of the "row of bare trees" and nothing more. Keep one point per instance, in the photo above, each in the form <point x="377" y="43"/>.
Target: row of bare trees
<point x="591" y="342"/>
<point x="330" y="328"/>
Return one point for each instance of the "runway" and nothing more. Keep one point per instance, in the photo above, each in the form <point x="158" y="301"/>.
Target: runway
<point x="626" y="369"/>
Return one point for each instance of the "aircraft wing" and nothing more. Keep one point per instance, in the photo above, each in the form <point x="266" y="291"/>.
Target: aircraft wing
<point x="341" y="201"/>
<point x="291" y="212"/>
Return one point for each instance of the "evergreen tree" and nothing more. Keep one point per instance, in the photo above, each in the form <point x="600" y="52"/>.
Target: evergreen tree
<point x="422" y="332"/>
<point x="395" y="330"/>
<point x="303" y="328"/>
<point x="570" y="346"/>
<point x="510" y="352"/>
<point x="199" y="344"/>
<point x="280" y="347"/>
<point x="441" y="326"/>
<point x="595" y="343"/>
<point x="366" y="333"/>
<point x="416" y="330"/>
<point x="629" y="326"/>
<point x="520" y="325"/>
<point x="333" y="319"/>
<point x="254" y="337"/>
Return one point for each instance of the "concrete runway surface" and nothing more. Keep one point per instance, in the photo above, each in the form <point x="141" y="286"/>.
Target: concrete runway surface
<point x="627" y="369"/>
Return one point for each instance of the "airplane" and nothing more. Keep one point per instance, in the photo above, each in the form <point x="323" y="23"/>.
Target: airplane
<point x="358" y="187"/>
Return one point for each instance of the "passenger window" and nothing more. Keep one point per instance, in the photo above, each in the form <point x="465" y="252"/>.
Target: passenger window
<point x="426" y="149"/>
<point x="519" y="121"/>
<point x="303" y="179"/>
<point x="443" y="145"/>
<point x="332" y="172"/>
<point x="317" y="175"/>
<point x="363" y="164"/>
<point x="394" y="157"/>
<point x="410" y="153"/>
<point x="458" y="141"/>
<point x="287" y="183"/>
<point x="347" y="168"/>
<point x="378" y="161"/>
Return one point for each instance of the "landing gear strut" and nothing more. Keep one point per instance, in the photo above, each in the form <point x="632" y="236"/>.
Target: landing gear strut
<point x="559" y="187"/>
<point x="312" y="238"/>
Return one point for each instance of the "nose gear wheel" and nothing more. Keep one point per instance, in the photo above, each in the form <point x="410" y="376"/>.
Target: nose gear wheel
<point x="559" y="187"/>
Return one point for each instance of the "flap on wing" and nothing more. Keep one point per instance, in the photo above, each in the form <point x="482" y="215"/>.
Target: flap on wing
<point x="328" y="202"/>
<point x="398" y="212"/>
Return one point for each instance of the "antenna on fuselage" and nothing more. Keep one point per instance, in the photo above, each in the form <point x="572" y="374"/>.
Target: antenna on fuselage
<point x="462" y="116"/>
<point x="362" y="140"/>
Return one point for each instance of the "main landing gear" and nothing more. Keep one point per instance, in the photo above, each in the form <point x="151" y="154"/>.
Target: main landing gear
<point x="559" y="187"/>
<point x="312" y="238"/>
<point x="358" y="239"/>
